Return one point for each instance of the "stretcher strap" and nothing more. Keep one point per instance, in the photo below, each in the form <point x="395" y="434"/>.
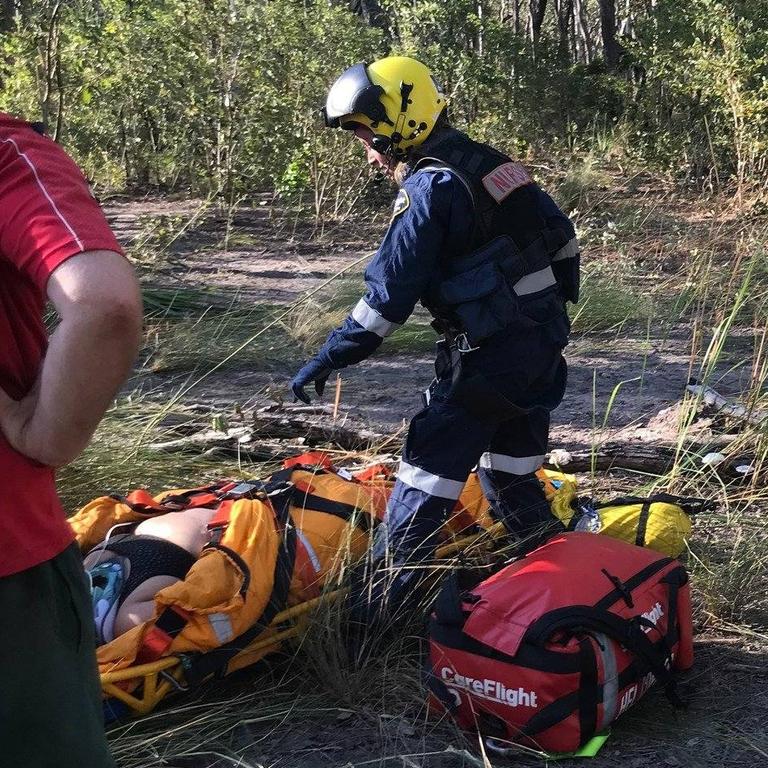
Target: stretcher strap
<point x="219" y="522"/>
<point x="142" y="501"/>
<point x="158" y="638"/>
<point x="314" y="503"/>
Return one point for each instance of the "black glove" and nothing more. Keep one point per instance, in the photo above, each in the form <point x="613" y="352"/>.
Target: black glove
<point x="315" y="371"/>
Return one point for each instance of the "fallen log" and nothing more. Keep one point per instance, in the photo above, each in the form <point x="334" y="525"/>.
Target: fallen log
<point x="275" y="432"/>
<point x="650" y="458"/>
<point x="267" y="435"/>
<point x="314" y="431"/>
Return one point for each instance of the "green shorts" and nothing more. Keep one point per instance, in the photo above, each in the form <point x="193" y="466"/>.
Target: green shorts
<point x="50" y="698"/>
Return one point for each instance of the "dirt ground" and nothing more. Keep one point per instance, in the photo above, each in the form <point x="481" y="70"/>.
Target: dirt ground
<point x="275" y="262"/>
<point x="280" y="262"/>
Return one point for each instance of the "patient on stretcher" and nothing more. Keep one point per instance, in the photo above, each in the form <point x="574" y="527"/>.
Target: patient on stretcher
<point x="126" y="571"/>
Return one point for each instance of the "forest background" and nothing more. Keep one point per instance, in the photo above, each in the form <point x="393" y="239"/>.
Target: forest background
<point x="222" y="95"/>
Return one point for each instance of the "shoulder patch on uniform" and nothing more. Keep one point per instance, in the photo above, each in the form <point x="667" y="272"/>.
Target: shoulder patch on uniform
<point x="402" y="201"/>
<point x="504" y="180"/>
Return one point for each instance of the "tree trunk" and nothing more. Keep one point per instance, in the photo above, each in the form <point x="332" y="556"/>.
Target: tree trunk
<point x="479" y="37"/>
<point x="536" y="11"/>
<point x="611" y="48"/>
<point x="564" y="10"/>
<point x="584" y="46"/>
<point x="371" y="12"/>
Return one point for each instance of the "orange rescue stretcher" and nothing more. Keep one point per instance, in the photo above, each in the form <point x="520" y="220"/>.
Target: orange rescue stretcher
<point x="278" y="550"/>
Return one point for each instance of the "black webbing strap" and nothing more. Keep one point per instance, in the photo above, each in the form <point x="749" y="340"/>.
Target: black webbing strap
<point x="239" y="562"/>
<point x="216" y="660"/>
<point x="632" y="582"/>
<point x="171" y="622"/>
<point x="642" y="524"/>
<point x="589" y="691"/>
<point x="628" y="632"/>
<point x="283" y="479"/>
<point x="347" y="512"/>
<point x="551" y="715"/>
<point x="689" y="504"/>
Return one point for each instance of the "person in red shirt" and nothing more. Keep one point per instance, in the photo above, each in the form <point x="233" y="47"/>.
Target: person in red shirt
<point x="55" y="245"/>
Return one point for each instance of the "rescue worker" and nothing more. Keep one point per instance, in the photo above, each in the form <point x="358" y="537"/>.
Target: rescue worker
<point x="55" y="245"/>
<point x="494" y="260"/>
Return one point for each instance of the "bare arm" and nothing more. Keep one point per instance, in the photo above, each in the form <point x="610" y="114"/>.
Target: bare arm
<point x="97" y="297"/>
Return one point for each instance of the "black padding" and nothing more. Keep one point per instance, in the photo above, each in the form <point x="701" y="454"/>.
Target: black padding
<point x="149" y="556"/>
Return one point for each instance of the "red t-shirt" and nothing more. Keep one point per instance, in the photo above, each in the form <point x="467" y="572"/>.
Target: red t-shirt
<point x="47" y="214"/>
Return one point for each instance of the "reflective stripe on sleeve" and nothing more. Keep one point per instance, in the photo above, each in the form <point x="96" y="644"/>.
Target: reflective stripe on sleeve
<point x="372" y="321"/>
<point x="535" y="282"/>
<point x="512" y="465"/>
<point x="425" y="481"/>
<point x="568" y="251"/>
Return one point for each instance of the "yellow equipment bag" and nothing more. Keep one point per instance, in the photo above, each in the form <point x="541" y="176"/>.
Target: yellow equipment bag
<point x="274" y="544"/>
<point x="661" y="522"/>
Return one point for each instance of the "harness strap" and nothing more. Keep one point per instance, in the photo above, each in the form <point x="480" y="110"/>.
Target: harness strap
<point x="340" y="509"/>
<point x="158" y="638"/>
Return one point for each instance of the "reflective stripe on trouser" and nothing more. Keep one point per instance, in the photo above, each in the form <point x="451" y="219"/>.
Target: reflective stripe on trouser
<point x="507" y="473"/>
<point x="444" y="444"/>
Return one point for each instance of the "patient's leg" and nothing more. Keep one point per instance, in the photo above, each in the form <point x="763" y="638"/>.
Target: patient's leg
<point x="139" y="606"/>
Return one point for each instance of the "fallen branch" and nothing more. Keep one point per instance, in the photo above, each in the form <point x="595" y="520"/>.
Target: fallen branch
<point x="314" y="431"/>
<point x="269" y="435"/>
<point x="720" y="404"/>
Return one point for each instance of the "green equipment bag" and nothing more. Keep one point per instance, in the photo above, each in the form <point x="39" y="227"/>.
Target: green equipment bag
<point x="661" y="522"/>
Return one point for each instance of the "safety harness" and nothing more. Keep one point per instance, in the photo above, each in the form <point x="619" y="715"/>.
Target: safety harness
<point x="295" y="556"/>
<point x="515" y="254"/>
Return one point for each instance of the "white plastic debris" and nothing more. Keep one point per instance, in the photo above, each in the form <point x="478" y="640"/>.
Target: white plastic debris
<point x="712" y="459"/>
<point x="721" y="404"/>
<point x="560" y="457"/>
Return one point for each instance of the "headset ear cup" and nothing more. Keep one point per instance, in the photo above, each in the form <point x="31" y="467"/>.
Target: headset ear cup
<point x="381" y="143"/>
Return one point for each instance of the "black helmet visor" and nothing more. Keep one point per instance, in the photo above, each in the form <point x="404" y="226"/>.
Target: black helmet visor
<point x="354" y="93"/>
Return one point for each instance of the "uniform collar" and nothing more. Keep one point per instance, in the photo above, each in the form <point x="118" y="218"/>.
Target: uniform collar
<point x="407" y="168"/>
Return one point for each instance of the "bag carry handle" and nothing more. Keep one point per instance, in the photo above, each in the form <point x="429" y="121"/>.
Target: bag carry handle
<point x="628" y="632"/>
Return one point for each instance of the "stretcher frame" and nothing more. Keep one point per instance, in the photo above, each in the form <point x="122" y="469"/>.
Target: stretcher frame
<point x="158" y="679"/>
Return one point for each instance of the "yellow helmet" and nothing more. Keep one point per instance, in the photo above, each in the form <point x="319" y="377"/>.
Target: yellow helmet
<point x="396" y="97"/>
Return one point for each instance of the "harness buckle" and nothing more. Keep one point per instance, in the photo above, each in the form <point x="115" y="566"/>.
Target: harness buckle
<point x="463" y="345"/>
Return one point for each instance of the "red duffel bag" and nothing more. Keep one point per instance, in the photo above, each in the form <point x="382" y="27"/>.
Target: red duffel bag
<point x="551" y="649"/>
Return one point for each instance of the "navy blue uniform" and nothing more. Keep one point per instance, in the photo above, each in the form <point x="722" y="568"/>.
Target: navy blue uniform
<point x="434" y="226"/>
